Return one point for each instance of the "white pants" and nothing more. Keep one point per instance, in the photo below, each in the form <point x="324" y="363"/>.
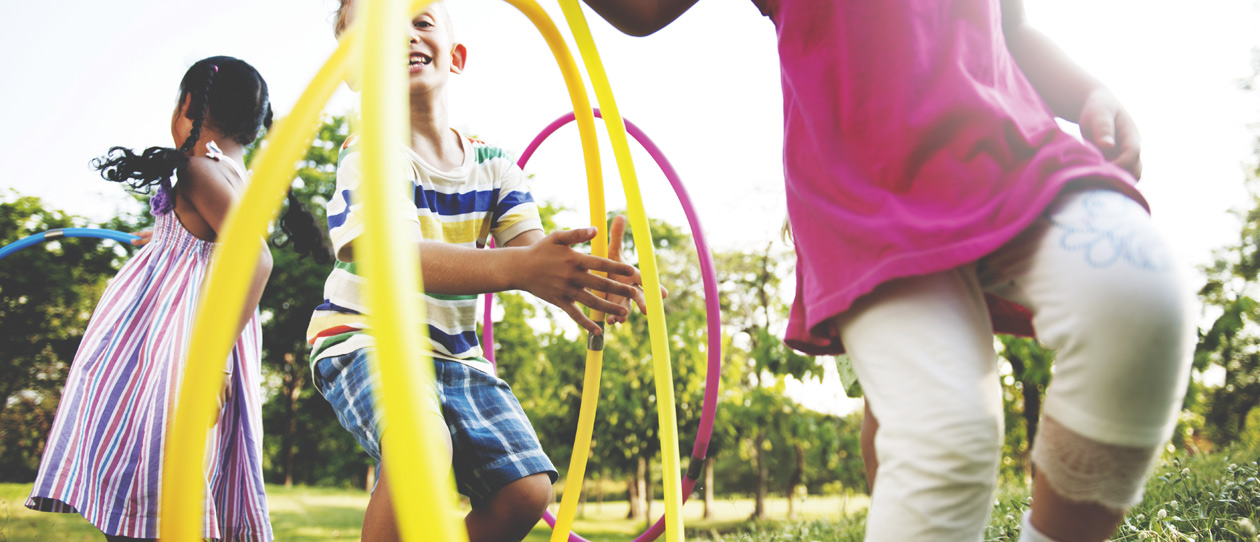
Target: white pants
<point x="1105" y="296"/>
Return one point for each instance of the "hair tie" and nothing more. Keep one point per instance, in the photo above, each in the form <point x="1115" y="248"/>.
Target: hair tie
<point x="215" y="67"/>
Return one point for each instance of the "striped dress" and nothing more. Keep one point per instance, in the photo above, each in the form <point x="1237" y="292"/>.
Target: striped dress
<point x="103" y="458"/>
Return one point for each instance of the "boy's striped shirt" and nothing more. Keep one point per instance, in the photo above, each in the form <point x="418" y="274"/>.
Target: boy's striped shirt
<point x="484" y="196"/>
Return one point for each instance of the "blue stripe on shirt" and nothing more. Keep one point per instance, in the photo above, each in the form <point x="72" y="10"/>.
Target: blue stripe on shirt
<point x="511" y="200"/>
<point x="480" y="201"/>
<point x="328" y="305"/>
<point x="458" y="344"/>
<point x="335" y="221"/>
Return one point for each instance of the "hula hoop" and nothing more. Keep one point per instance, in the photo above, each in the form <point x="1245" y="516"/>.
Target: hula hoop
<point x="58" y="233"/>
<point x="713" y="313"/>
<point x="182" y="504"/>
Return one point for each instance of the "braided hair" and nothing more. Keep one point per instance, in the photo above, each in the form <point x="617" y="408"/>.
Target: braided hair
<point x="225" y="91"/>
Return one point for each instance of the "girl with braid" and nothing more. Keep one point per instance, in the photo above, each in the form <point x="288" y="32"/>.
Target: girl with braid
<point x="104" y="455"/>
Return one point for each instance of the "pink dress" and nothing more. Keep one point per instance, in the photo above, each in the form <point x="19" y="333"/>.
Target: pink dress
<point x="913" y="144"/>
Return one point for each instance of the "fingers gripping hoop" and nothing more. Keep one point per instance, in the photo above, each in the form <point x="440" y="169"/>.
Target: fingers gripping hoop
<point x="384" y="106"/>
<point x="712" y="318"/>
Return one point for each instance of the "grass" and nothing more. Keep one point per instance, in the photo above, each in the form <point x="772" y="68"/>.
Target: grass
<point x="1201" y="498"/>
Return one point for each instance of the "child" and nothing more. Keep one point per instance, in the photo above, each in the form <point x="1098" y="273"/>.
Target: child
<point x="925" y="173"/>
<point x="459" y="192"/>
<point x="104" y="458"/>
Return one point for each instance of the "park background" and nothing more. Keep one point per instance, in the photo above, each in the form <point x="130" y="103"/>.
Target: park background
<point x="706" y="89"/>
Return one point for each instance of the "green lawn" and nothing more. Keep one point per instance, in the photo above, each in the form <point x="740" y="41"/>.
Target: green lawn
<point x="305" y="514"/>
<point x="1203" y="498"/>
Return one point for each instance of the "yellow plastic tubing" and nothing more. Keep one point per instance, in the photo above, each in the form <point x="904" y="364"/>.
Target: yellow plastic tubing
<point x="663" y="372"/>
<point x="183" y="496"/>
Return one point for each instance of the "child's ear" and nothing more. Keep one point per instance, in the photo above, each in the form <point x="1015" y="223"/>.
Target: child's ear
<point x="459" y="55"/>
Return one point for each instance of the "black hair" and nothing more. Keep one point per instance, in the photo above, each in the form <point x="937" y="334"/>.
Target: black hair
<point x="302" y="230"/>
<point x="227" y="91"/>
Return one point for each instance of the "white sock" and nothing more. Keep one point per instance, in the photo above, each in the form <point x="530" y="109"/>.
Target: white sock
<point x="1030" y="533"/>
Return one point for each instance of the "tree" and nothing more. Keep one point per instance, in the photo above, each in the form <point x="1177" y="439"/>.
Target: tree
<point x="1023" y="392"/>
<point x="303" y="441"/>
<point x="1232" y="343"/>
<point x="753" y="306"/>
<point x="47" y="295"/>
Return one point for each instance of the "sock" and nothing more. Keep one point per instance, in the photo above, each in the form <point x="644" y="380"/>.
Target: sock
<point x="1030" y="533"/>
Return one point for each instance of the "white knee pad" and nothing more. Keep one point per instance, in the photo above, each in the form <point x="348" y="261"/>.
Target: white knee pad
<point x="1085" y="470"/>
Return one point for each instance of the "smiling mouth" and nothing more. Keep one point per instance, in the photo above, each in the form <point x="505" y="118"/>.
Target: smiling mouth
<point x="419" y="59"/>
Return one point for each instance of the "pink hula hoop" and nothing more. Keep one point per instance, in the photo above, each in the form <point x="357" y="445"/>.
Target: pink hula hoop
<point x="713" y="315"/>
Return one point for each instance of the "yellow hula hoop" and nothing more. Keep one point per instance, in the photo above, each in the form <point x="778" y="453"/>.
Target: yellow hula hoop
<point x="183" y="497"/>
<point x="663" y="372"/>
<point x="391" y="265"/>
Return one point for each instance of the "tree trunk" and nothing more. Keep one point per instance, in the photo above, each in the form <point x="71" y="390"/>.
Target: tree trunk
<point x="763" y="478"/>
<point x="370" y="478"/>
<point x="1032" y="408"/>
<point x="581" y="511"/>
<point x="1032" y="416"/>
<point x="637" y="486"/>
<point x="795" y="480"/>
<point x="599" y="494"/>
<point x="292" y="391"/>
<point x="649" y="492"/>
<point x="708" y="486"/>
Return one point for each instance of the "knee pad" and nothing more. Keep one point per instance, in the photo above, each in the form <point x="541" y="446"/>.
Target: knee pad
<point x="1085" y="470"/>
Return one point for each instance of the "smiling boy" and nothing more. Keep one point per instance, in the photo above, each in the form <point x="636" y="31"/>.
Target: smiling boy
<point x="460" y="191"/>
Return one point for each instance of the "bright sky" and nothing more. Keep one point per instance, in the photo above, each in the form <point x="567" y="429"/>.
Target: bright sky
<point x="84" y="76"/>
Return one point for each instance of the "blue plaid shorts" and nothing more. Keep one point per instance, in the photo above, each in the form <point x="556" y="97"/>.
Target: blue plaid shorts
<point x="492" y="441"/>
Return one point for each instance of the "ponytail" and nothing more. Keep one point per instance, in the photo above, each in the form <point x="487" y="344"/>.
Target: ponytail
<point x="222" y="90"/>
<point x="156" y="165"/>
<point x="303" y="231"/>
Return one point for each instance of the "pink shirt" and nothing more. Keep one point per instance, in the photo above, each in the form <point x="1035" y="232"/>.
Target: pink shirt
<point x="912" y="144"/>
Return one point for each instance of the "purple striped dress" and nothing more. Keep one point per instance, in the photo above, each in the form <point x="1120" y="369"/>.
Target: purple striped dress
<point x="103" y="458"/>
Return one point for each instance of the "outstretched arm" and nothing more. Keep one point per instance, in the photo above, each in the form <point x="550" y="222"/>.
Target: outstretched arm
<point x="639" y="17"/>
<point x="1072" y="93"/>
<point x="543" y="266"/>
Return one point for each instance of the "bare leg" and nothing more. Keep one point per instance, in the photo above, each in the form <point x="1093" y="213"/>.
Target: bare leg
<point x="379" y="522"/>
<point x="511" y="512"/>
<point x="1061" y="519"/>
<point x="869" y="460"/>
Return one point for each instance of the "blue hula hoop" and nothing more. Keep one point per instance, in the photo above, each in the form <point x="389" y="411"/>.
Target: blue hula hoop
<point x="59" y="233"/>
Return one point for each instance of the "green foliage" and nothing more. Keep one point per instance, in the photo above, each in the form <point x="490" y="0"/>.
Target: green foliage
<point x="47" y="294"/>
<point x="302" y="439"/>
<point x="1023" y="391"/>
<point x="1231" y="344"/>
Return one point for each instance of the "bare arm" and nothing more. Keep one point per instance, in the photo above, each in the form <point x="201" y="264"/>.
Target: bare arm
<point x="212" y="195"/>
<point x="639" y="17"/>
<point x="543" y="266"/>
<point x="1072" y="93"/>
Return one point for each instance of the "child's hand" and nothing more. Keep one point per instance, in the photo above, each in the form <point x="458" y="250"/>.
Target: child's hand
<point x="144" y="238"/>
<point x="562" y="276"/>
<point x="1106" y="124"/>
<point x="225" y="394"/>
<point x="615" y="234"/>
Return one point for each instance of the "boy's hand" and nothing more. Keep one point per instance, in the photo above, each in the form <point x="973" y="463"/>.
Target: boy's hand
<point x="144" y="238"/>
<point x="615" y="234"/>
<point x="1106" y="124"/>
<point x="562" y="276"/>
